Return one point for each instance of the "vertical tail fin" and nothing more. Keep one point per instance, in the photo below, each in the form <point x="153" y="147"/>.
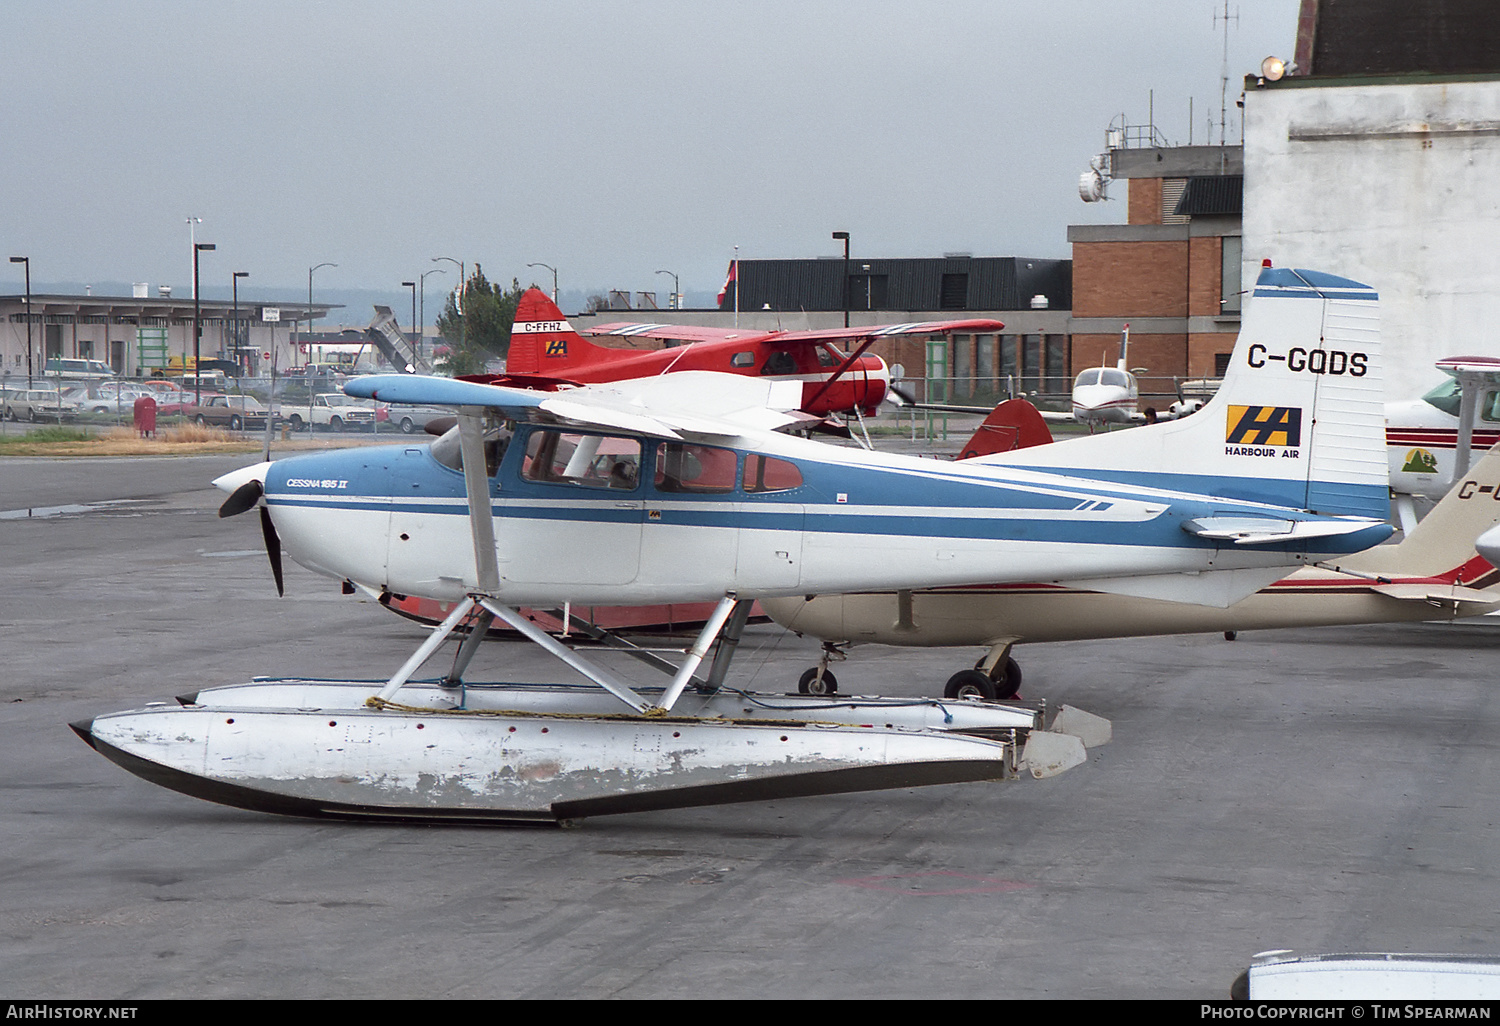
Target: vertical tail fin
<point x="544" y="344"/>
<point x="1299" y="420"/>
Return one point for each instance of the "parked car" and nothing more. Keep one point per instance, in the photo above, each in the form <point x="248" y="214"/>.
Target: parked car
<point x="38" y="404"/>
<point x="235" y="412"/>
<point x="78" y="370"/>
<point x="331" y="410"/>
<point x="411" y="419"/>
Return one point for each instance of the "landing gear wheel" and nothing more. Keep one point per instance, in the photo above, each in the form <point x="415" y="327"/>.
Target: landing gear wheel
<point x="1006" y="677"/>
<point x="809" y="684"/>
<point x="969" y="684"/>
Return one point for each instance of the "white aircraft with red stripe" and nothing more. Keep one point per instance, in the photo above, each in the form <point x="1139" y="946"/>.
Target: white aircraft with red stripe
<point x="1430" y="439"/>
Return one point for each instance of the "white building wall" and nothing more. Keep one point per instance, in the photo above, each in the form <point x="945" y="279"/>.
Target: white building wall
<point x="1394" y="185"/>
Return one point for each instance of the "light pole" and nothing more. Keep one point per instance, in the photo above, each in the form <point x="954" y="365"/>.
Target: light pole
<point x="198" y="247"/>
<point x="234" y="334"/>
<point x="27" y="262"/>
<point x="676" y="303"/>
<point x="413" y="286"/>
<point x="193" y="223"/>
<point x="554" y="277"/>
<point x="845" y="237"/>
<point x="310" y="271"/>
<point x="458" y="295"/>
<point x="422" y="306"/>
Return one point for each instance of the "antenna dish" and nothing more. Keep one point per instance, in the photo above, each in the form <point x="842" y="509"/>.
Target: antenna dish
<point x="1092" y="186"/>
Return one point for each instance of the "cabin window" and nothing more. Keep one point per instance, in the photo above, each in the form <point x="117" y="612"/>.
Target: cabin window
<point x="1088" y="377"/>
<point x="742" y="360"/>
<point x="829" y="357"/>
<point x="695" y="469"/>
<point x="589" y="461"/>
<point x="769" y="474"/>
<point x="780" y="362"/>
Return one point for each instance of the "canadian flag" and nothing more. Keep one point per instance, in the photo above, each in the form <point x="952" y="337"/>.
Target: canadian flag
<point x="728" y="281"/>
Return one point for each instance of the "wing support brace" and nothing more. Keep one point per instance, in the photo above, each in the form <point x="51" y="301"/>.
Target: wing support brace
<point x="487" y="573"/>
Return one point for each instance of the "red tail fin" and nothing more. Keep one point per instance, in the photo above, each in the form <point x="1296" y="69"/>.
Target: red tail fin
<point x="542" y="342"/>
<point x="1014" y="424"/>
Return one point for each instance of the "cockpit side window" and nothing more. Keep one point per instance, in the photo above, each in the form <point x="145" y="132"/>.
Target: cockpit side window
<point x="1446" y="397"/>
<point x="1088" y="377"/>
<point x="448" y="451"/>
<point x="779" y="362"/>
<point x="587" y="461"/>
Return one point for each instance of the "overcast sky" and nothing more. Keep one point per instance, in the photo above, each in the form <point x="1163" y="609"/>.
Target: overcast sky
<point x="608" y="139"/>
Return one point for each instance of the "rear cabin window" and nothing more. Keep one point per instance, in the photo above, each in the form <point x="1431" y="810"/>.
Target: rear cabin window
<point x="588" y="461"/>
<point x="768" y="474"/>
<point x="695" y="469"/>
<point x="742" y="360"/>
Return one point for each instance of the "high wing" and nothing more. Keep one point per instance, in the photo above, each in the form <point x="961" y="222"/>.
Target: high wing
<point x="692" y="402"/>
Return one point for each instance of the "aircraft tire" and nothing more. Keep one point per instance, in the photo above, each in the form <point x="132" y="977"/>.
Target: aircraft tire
<point x="970" y="684"/>
<point x="810" y="685"/>
<point x="1007" y="678"/>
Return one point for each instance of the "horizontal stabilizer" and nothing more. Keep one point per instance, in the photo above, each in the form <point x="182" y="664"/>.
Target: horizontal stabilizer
<point x="1271" y="531"/>
<point x="1435" y="591"/>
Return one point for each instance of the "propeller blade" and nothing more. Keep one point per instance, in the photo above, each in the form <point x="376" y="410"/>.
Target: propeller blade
<point x="904" y="394"/>
<point x="273" y="547"/>
<point x="242" y="499"/>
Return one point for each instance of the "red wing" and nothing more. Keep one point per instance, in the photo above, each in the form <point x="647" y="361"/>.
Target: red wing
<point x="691" y="333"/>
<point x="679" y="332"/>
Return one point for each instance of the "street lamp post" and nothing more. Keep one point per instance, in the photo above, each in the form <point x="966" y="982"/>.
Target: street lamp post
<point x="27" y="262"/>
<point x="676" y="303"/>
<point x="845" y="237"/>
<point x="310" y="271"/>
<point x="554" y="277"/>
<point x="458" y="295"/>
<point x="422" y="306"/>
<point x="234" y="333"/>
<point x="198" y="247"/>
<point x="413" y="286"/>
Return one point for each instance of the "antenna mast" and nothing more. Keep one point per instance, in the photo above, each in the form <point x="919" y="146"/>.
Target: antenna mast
<point x="1225" y="17"/>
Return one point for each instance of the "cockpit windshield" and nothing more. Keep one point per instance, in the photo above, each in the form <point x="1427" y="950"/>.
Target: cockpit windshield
<point x="1088" y="377"/>
<point x="448" y="451"/>
<point x="1448" y="397"/>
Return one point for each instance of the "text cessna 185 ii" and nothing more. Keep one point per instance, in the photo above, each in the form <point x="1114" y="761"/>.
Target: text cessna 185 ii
<point x="678" y="488"/>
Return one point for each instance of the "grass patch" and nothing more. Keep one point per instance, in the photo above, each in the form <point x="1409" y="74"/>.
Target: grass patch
<point x="45" y="434"/>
